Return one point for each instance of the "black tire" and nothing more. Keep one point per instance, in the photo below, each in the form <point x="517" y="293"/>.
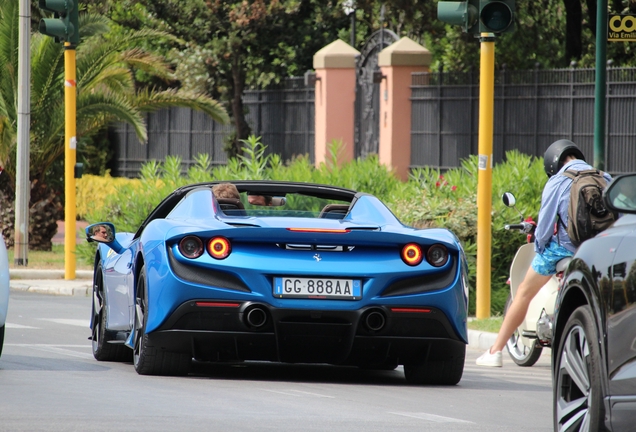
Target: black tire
<point x="1" y="339"/>
<point x="148" y="359"/>
<point x="576" y="408"/>
<point x="437" y="372"/>
<point x="519" y="353"/>
<point x="102" y="349"/>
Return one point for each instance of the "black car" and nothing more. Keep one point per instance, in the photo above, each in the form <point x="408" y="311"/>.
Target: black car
<point x="594" y="362"/>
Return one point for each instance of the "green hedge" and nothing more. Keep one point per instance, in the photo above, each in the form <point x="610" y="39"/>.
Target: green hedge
<point x="429" y="198"/>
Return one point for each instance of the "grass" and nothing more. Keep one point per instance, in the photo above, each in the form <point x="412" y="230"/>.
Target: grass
<point x="491" y="325"/>
<point x="48" y="260"/>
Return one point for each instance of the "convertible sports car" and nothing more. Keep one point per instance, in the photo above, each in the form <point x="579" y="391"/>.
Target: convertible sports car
<point x="4" y="289"/>
<point x="307" y="273"/>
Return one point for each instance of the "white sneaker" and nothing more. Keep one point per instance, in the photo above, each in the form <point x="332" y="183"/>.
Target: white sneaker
<point x="492" y="360"/>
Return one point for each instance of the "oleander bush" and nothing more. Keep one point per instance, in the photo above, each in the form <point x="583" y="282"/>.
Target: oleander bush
<point x="430" y="198"/>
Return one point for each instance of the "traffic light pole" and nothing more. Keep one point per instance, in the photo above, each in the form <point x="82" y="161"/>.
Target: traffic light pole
<point x="486" y="18"/>
<point x="484" y="180"/>
<point x="70" y="157"/>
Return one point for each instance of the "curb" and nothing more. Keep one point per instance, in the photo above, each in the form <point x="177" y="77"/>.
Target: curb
<point x="35" y="274"/>
<point x="40" y="286"/>
<point x="481" y="340"/>
<point x="51" y="282"/>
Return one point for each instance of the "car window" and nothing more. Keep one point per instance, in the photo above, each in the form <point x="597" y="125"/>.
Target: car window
<point x="293" y="205"/>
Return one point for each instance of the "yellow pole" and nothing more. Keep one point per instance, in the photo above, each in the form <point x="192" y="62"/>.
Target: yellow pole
<point x="70" y="152"/>
<point x="484" y="181"/>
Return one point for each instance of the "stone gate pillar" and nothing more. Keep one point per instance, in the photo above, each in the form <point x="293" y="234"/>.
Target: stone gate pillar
<point x="335" y="99"/>
<point x="397" y="62"/>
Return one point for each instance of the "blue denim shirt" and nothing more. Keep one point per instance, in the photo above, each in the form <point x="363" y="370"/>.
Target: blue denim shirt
<point x="554" y="202"/>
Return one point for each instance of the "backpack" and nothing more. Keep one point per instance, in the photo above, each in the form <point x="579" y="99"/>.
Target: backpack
<point x="587" y="213"/>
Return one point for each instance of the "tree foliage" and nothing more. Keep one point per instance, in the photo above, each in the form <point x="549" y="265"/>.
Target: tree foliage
<point x="549" y="33"/>
<point x="106" y="92"/>
<point x="225" y="47"/>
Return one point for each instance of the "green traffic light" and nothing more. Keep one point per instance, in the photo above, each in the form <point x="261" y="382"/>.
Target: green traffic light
<point x="496" y="16"/>
<point x="66" y="27"/>
<point x="62" y="7"/>
<point x="56" y="28"/>
<point x="463" y="14"/>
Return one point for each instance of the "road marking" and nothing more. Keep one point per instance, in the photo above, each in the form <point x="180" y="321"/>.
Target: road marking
<point x="431" y="417"/>
<point x="19" y="326"/>
<point x="312" y="394"/>
<point x="57" y="349"/>
<point x="279" y="392"/>
<point x="296" y="393"/>
<point x="73" y="322"/>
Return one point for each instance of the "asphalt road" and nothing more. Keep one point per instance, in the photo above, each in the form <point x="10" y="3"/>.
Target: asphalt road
<point x="49" y="381"/>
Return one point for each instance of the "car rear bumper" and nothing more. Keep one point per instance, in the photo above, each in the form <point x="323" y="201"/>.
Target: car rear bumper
<point x="236" y="331"/>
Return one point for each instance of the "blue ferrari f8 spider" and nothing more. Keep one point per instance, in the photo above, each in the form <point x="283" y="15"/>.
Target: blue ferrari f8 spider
<point x="286" y="272"/>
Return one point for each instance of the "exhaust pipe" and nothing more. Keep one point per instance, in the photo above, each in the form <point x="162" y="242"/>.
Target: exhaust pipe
<point x="375" y="320"/>
<point x="256" y="317"/>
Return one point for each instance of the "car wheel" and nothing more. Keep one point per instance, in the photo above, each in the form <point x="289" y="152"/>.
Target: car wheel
<point x="1" y="338"/>
<point x="148" y="359"/>
<point x="578" y="397"/>
<point x="102" y="349"/>
<point x="519" y="353"/>
<point x="448" y="371"/>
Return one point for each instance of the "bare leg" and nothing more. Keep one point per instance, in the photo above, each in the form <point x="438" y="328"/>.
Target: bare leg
<point x="529" y="288"/>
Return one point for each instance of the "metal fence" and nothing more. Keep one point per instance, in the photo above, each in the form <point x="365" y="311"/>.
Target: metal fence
<point x="532" y="109"/>
<point x="283" y="117"/>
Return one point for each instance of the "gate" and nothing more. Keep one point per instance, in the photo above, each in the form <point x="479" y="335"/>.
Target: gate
<point x="367" y="105"/>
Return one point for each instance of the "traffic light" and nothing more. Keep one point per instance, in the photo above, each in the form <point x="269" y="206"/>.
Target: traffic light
<point x="479" y="16"/>
<point x="496" y="16"/>
<point x="64" y="27"/>
<point x="464" y="14"/>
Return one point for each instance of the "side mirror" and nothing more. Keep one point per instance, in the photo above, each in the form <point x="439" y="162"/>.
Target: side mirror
<point x="509" y="199"/>
<point x="620" y="195"/>
<point x="102" y="232"/>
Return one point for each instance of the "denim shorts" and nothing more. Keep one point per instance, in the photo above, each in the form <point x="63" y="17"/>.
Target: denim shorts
<point x="545" y="263"/>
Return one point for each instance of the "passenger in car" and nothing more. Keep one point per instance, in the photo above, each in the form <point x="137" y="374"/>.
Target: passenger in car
<point x="225" y="190"/>
<point x="260" y="200"/>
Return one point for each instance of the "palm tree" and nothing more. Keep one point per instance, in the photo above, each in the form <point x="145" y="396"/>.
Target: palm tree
<point x="106" y="92"/>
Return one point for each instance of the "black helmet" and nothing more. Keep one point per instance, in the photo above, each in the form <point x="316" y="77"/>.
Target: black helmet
<point x="557" y="152"/>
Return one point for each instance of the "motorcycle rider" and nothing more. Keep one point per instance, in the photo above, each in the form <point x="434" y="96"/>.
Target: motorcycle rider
<point x="551" y="245"/>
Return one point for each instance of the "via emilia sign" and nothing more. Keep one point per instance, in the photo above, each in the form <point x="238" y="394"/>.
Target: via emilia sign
<point x="621" y="28"/>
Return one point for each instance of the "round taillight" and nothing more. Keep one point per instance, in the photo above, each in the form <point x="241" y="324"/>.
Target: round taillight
<point x="219" y="247"/>
<point x="191" y="247"/>
<point x="412" y="254"/>
<point x="437" y="255"/>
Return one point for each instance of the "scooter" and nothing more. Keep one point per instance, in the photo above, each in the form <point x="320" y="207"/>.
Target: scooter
<point x="535" y="332"/>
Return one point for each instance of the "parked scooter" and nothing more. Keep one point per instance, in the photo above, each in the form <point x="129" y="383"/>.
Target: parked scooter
<point x="535" y="332"/>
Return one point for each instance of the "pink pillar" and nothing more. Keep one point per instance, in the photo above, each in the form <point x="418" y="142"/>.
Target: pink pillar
<point x="334" y="100"/>
<point x="397" y="62"/>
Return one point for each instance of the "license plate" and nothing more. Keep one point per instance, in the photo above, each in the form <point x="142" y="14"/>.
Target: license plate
<point x="317" y="288"/>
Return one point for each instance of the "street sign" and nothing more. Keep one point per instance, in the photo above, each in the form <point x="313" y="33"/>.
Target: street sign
<point x="621" y="28"/>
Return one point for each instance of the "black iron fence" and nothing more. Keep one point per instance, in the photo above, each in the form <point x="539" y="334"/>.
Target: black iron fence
<point x="532" y="109"/>
<point x="283" y="117"/>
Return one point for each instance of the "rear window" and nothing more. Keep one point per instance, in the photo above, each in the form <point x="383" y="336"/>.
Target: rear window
<point x="293" y="205"/>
